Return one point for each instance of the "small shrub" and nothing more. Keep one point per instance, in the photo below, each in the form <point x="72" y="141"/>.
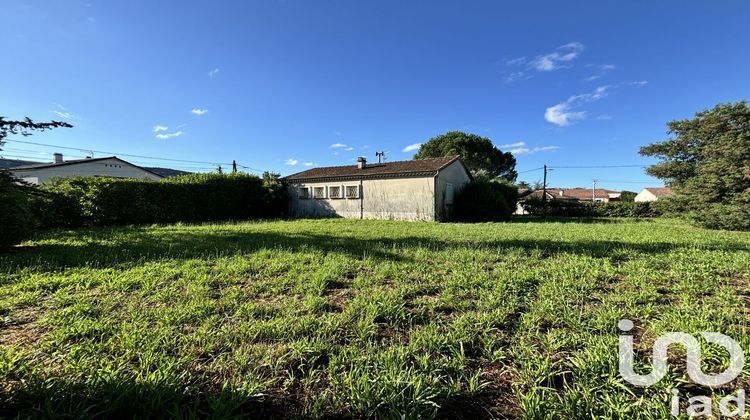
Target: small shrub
<point x="16" y="220"/>
<point x="485" y="201"/>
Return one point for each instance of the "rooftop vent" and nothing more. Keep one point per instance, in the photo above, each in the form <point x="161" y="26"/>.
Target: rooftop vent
<point x="361" y="162"/>
<point x="58" y="157"/>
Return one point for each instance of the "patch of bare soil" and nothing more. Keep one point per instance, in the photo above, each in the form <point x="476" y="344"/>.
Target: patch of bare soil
<point x="21" y="327"/>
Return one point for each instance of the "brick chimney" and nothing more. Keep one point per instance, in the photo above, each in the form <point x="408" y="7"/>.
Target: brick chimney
<point x="361" y="162"/>
<point x="58" y="157"/>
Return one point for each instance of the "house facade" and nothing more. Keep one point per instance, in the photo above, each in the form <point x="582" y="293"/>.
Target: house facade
<point x="653" y="194"/>
<point x="405" y="190"/>
<point x="39" y="173"/>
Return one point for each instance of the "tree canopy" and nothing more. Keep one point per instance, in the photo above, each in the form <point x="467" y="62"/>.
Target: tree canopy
<point x="707" y="163"/>
<point x="478" y="153"/>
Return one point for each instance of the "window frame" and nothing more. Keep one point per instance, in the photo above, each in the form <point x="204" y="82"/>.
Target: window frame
<point x="356" y="194"/>
<point x="340" y="190"/>
<point x="315" y="193"/>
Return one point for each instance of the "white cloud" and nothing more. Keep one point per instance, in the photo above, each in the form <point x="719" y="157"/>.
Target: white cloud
<point x="639" y="83"/>
<point x="309" y="163"/>
<point x="213" y="73"/>
<point x="520" y="148"/>
<point x="563" y="114"/>
<point x="517" y="75"/>
<point x="198" y="111"/>
<point x="560" y="58"/>
<point x="512" y="145"/>
<point x="169" y="135"/>
<point x="63" y="113"/>
<point x="349" y="149"/>
<point x="291" y="162"/>
<point x="338" y="146"/>
<point x="515" y="61"/>
<point x="158" y="128"/>
<point x="532" y="150"/>
<point x="603" y="69"/>
<point x="412" y="147"/>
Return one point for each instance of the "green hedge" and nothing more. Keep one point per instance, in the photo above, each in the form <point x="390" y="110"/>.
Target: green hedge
<point x="587" y="209"/>
<point x="485" y="201"/>
<point x="16" y="219"/>
<point x="103" y="201"/>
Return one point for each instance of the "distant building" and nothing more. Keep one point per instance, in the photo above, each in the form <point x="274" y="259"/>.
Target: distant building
<point x="598" y="195"/>
<point x="405" y="190"/>
<point x="653" y="194"/>
<point x="38" y="173"/>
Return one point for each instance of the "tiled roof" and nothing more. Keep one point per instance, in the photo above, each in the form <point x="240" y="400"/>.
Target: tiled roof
<point x="579" y="194"/>
<point x="14" y="163"/>
<point x="660" y="191"/>
<point x="421" y="167"/>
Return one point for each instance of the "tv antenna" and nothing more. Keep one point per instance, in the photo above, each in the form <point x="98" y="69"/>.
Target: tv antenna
<point x="380" y="156"/>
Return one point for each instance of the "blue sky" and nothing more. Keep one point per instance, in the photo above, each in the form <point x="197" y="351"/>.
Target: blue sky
<point x="280" y="85"/>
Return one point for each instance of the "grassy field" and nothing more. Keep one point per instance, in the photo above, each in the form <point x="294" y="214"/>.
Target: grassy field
<point x="360" y="318"/>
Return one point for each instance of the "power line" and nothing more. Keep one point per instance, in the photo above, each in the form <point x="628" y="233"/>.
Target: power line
<point x="531" y="170"/>
<point x="625" y="182"/>
<point x="599" y="167"/>
<point x="129" y="155"/>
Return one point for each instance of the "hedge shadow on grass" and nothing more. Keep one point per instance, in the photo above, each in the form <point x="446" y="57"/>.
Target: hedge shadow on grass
<point x="141" y="245"/>
<point x="124" y="398"/>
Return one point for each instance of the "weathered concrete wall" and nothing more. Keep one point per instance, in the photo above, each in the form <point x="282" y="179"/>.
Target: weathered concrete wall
<point x="397" y="199"/>
<point x="107" y="167"/>
<point x="454" y="175"/>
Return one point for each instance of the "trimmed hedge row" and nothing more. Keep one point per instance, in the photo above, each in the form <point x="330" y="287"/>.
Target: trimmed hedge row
<point x="485" y="201"/>
<point x="588" y="209"/>
<point x="74" y="202"/>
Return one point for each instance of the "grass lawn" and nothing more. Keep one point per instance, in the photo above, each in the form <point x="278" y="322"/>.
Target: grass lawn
<point x="348" y="317"/>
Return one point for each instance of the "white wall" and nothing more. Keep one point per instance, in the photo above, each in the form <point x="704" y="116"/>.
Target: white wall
<point x="396" y="199"/>
<point x="645" y="195"/>
<point x="107" y="167"/>
<point x="453" y="174"/>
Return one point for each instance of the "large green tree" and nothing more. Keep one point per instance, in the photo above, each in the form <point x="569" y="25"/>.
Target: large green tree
<point x="478" y="153"/>
<point x="707" y="163"/>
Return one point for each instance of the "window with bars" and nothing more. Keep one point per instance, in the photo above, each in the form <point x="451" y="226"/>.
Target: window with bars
<point x="352" y="191"/>
<point x="319" y="192"/>
<point x="334" y="192"/>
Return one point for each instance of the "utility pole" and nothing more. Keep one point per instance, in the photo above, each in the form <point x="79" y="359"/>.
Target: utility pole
<point x="380" y="155"/>
<point x="544" y="185"/>
<point x="593" y="190"/>
<point x="234" y="166"/>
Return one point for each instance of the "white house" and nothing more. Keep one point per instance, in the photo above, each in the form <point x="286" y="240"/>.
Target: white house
<point x="38" y="173"/>
<point x="653" y="194"/>
<point x="405" y="190"/>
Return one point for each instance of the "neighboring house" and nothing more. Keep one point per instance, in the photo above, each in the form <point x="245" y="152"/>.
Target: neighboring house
<point x="598" y="195"/>
<point x="166" y="172"/>
<point x="406" y="190"/>
<point x="653" y="194"/>
<point x="38" y="173"/>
